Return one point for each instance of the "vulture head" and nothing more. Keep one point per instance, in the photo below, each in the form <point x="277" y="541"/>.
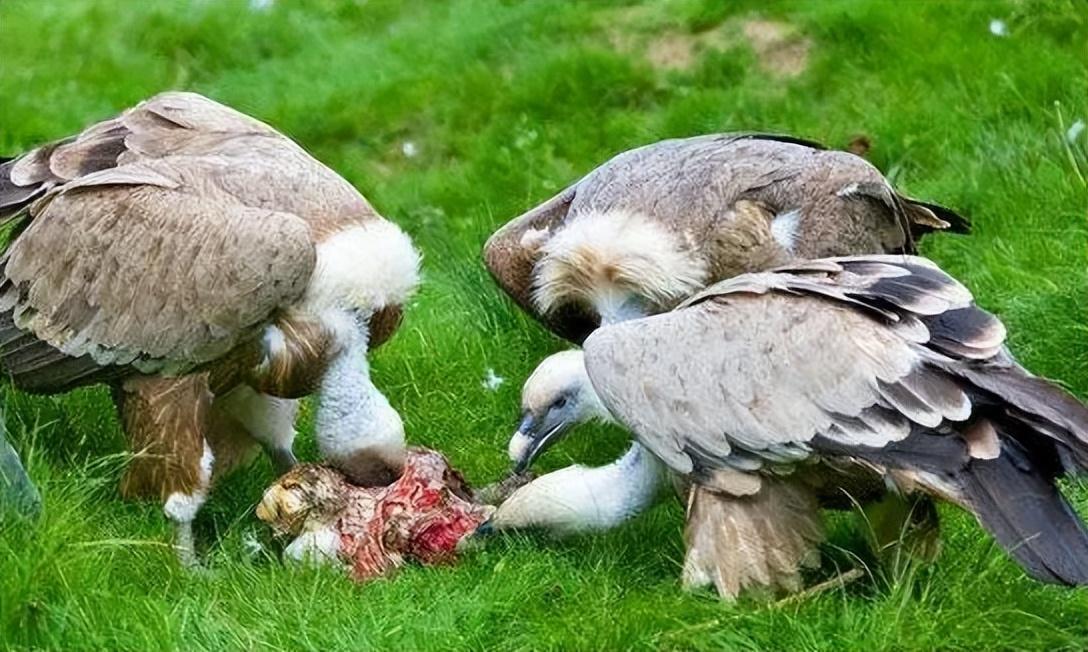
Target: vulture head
<point x="556" y="397"/>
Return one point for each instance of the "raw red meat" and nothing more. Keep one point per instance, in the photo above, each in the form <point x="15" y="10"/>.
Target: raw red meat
<point x="422" y="516"/>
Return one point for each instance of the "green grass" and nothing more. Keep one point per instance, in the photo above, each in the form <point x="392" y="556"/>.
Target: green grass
<point x="507" y="103"/>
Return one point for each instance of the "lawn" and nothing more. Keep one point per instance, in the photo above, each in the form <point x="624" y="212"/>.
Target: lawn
<point x="452" y="118"/>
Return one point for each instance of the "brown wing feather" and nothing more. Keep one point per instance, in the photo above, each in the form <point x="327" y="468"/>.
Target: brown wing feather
<point x="694" y="187"/>
<point x="160" y="238"/>
<point x="760" y="364"/>
<point x="151" y="276"/>
<point x="188" y="129"/>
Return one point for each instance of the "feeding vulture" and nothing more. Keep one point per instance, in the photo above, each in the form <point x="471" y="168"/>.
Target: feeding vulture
<point x="760" y="385"/>
<point x="211" y="272"/>
<point x="656" y="224"/>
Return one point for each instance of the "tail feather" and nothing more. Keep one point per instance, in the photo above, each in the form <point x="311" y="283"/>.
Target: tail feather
<point x="1022" y="508"/>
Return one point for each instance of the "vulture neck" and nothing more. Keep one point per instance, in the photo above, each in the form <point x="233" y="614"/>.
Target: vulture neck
<point x="627" y="486"/>
<point x="611" y="494"/>
<point x="352" y="415"/>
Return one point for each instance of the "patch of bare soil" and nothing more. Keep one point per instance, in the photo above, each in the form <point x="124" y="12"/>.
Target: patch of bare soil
<point x="672" y="51"/>
<point x="779" y="47"/>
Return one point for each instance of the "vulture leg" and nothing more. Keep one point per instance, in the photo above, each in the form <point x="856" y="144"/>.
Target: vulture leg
<point x="269" y="420"/>
<point x="231" y="442"/>
<point x="165" y="420"/>
<point x="902" y="528"/>
<point x="17" y="492"/>
<point x="759" y="541"/>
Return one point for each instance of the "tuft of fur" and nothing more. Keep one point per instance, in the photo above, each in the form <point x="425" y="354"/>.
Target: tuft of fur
<point x="601" y="256"/>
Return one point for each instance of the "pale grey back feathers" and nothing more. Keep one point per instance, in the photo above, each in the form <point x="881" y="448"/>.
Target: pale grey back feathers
<point x="759" y="369"/>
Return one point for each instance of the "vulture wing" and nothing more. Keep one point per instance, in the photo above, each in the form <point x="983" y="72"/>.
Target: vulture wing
<point x="756" y="368"/>
<point x="879" y="358"/>
<point x="839" y="354"/>
<point x="135" y="268"/>
<point x="830" y="203"/>
<point x="157" y="240"/>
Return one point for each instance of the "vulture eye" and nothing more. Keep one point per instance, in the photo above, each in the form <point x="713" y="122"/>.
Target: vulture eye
<point x="559" y="403"/>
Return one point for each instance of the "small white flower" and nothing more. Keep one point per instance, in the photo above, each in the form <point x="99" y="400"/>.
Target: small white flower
<point x="251" y="544"/>
<point x="261" y="5"/>
<point x="409" y="149"/>
<point x="1074" y="131"/>
<point x="998" y="27"/>
<point x="492" y="382"/>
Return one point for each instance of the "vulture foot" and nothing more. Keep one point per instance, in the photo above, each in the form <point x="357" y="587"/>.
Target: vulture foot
<point x="283" y="459"/>
<point x="185" y="548"/>
<point x="497" y="492"/>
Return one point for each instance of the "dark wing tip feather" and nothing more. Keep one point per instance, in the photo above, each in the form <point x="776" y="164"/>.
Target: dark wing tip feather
<point x="1020" y="505"/>
<point x="14" y="198"/>
<point x="923" y="450"/>
<point x="1039" y="397"/>
<point x="35" y="366"/>
<point x="968" y="332"/>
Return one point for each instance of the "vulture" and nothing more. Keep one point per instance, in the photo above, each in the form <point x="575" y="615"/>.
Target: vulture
<point x="654" y="225"/>
<point x="764" y="386"/>
<point x="210" y="272"/>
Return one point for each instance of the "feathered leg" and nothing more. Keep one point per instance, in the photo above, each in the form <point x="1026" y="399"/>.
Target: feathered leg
<point x="267" y="419"/>
<point x="758" y="541"/>
<point x="165" y="420"/>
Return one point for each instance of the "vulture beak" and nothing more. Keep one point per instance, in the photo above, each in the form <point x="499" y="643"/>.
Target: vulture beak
<point x="485" y="528"/>
<point x="533" y="437"/>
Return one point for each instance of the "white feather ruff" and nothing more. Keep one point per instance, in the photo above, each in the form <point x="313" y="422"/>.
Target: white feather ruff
<point x="601" y="255"/>
<point x="365" y="267"/>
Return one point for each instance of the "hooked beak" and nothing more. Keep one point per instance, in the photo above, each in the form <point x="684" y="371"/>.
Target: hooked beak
<point x="532" y="439"/>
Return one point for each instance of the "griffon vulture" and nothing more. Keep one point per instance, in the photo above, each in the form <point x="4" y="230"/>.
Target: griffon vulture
<point x="211" y="272"/>
<point x="760" y="386"/>
<point x="656" y="224"/>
